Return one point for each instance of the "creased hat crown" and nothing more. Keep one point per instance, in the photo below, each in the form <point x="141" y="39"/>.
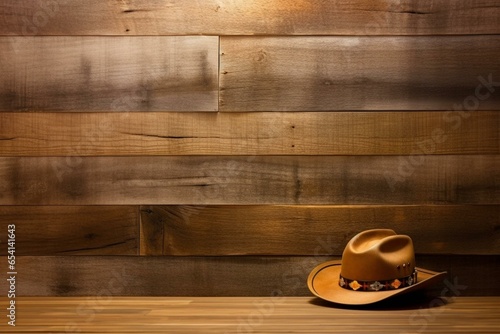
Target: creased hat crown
<point x="379" y="254"/>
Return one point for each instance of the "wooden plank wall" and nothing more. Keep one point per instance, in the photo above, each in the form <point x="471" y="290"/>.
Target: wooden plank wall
<point x="224" y="148"/>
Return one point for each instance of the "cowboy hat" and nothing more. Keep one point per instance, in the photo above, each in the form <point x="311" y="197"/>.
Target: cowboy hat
<point x="376" y="264"/>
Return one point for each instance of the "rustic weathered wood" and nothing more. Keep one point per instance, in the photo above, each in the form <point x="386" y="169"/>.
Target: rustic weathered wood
<point x="228" y="17"/>
<point x="152" y="232"/>
<point x="109" y="73"/>
<point x="210" y="276"/>
<point x="414" y="313"/>
<point x="315" y="230"/>
<point x="359" y="73"/>
<point x="260" y="133"/>
<point x="447" y="179"/>
<point x="67" y="230"/>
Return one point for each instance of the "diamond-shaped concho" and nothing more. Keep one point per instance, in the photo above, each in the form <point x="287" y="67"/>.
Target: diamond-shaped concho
<point x="342" y="282"/>
<point x="376" y="286"/>
<point x="354" y="285"/>
<point x="396" y="284"/>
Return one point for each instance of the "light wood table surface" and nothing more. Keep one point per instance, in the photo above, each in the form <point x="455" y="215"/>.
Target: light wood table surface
<point x="417" y="314"/>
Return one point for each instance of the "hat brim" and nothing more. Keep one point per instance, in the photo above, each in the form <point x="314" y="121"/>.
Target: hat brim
<point x="323" y="283"/>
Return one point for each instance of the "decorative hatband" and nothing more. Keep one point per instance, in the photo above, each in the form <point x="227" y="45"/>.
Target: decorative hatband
<point x="391" y="284"/>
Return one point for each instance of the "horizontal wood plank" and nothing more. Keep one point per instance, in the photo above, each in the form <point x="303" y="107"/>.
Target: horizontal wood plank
<point x="210" y="276"/>
<point x="442" y="313"/>
<point x="67" y="230"/>
<point x="258" y="133"/>
<point x="314" y="230"/>
<point x="447" y="179"/>
<point x="75" y="73"/>
<point x="359" y="73"/>
<point x="226" y="17"/>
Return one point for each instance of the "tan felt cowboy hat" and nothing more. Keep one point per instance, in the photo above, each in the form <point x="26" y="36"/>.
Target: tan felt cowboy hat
<point x="375" y="265"/>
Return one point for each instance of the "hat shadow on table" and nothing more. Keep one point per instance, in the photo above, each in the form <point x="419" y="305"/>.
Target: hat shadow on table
<point x="377" y="270"/>
<point x="416" y="300"/>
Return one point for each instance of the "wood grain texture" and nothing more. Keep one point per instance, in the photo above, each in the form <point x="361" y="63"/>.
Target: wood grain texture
<point x="152" y="230"/>
<point x="359" y="73"/>
<point x="109" y="73"/>
<point x="210" y="276"/>
<point x="314" y="230"/>
<point x="258" y="133"/>
<point x="412" y="313"/>
<point x="227" y="17"/>
<point x="67" y="230"/>
<point x="466" y="179"/>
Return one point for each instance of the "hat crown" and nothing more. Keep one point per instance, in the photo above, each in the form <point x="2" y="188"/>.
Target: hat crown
<point x="379" y="254"/>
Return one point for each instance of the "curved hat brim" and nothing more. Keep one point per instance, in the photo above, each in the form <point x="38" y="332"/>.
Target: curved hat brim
<point x="323" y="283"/>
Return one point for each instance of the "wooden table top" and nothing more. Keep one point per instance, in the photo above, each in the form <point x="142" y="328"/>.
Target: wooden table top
<point x="420" y="314"/>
